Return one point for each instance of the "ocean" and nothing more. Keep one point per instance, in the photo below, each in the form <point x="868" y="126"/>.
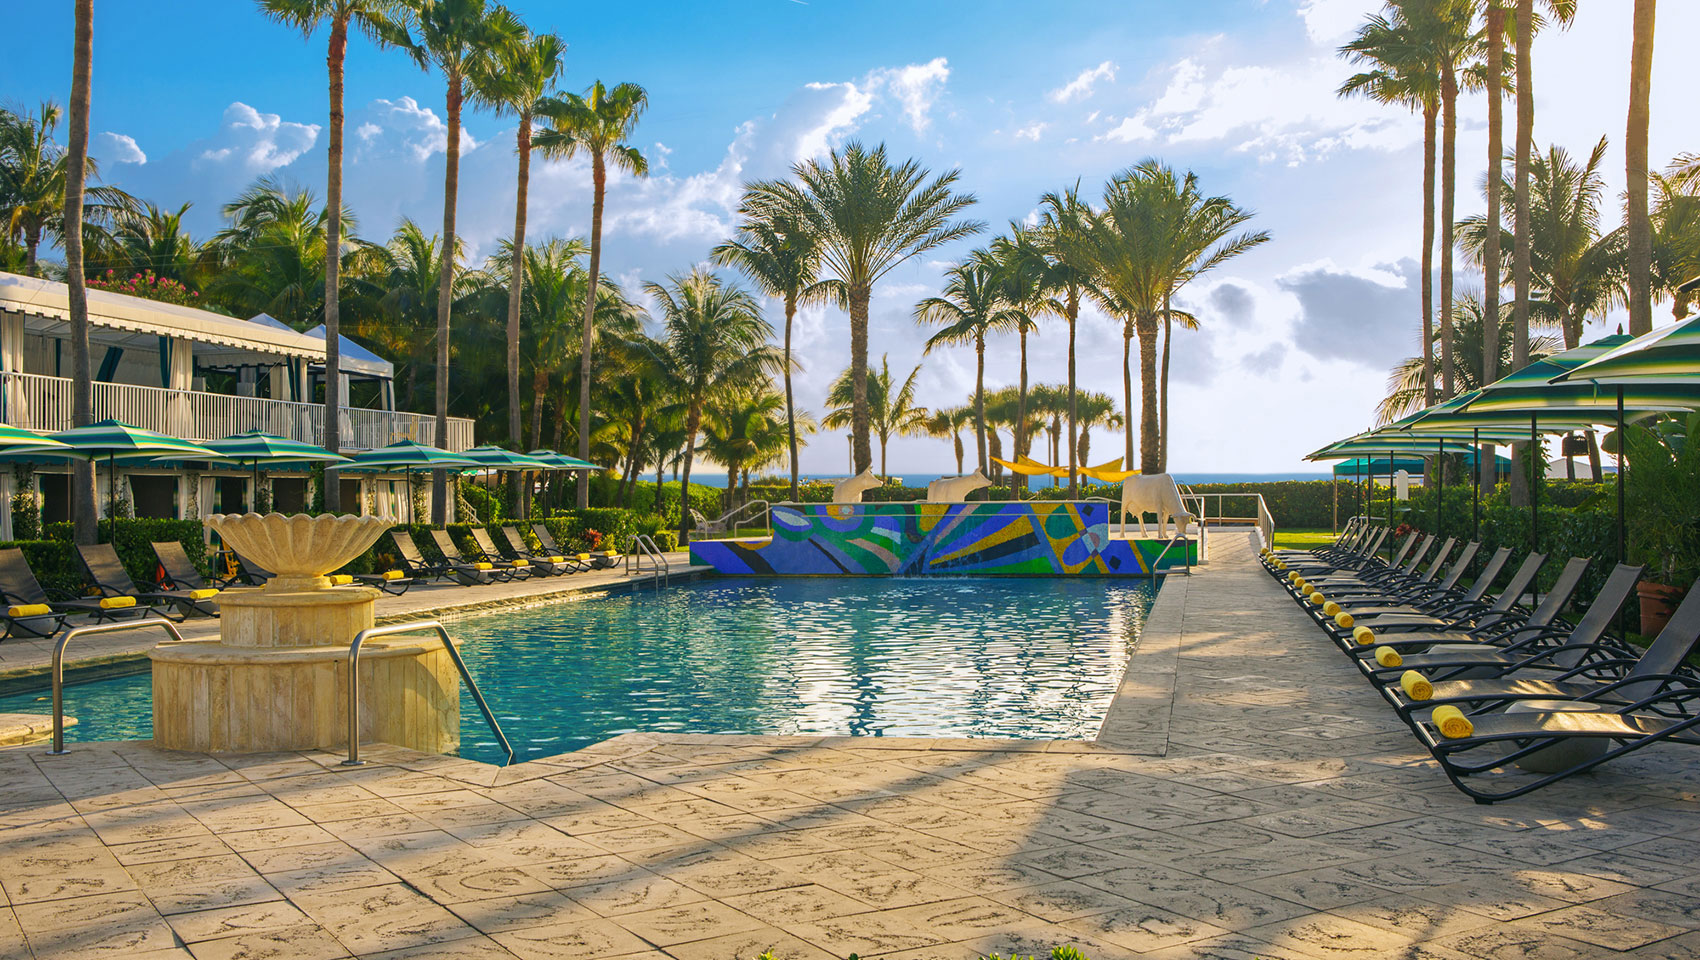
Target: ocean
<point x="713" y="478"/>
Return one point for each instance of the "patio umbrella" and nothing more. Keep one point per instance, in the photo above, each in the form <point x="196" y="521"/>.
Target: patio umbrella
<point x="491" y="458"/>
<point x="560" y="461"/>
<point x="256" y="448"/>
<point x="406" y="456"/>
<point x="115" y="440"/>
<point x="21" y="441"/>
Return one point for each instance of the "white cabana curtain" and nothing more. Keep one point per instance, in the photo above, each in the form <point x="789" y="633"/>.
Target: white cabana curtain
<point x="178" y="362"/>
<point x="14" y="403"/>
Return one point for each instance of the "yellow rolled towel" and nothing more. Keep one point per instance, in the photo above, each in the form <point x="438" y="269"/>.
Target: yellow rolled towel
<point x="583" y="558"/>
<point x="29" y="610"/>
<point x="1293" y="577"/>
<point x="1316" y="598"/>
<point x="116" y="603"/>
<point x="206" y="593"/>
<point x="1363" y="635"/>
<point x="1388" y="657"/>
<point x="341" y="579"/>
<point x="394" y="574"/>
<point x="1416" y="685"/>
<point x="557" y="559"/>
<point x="481" y="565"/>
<point x="1452" y="723"/>
<point x="1331" y="608"/>
<point x="522" y="563"/>
<point x="1344" y="620"/>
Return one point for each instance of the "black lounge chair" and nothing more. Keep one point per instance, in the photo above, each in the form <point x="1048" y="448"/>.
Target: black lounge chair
<point x="490" y="553"/>
<point x="480" y="571"/>
<point x="598" y="560"/>
<point x="1357" y="561"/>
<point x="414" y="564"/>
<point x="1504" y="618"/>
<point x="109" y="577"/>
<point x="1540" y="647"/>
<point x="1402" y="568"/>
<point x="1392" y="587"/>
<point x="29" y="611"/>
<point x="552" y="564"/>
<point x="1447" y="597"/>
<point x="250" y="572"/>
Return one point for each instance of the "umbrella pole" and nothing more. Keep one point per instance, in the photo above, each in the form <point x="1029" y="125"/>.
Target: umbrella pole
<point x="1476" y="501"/>
<point x="1440" y="487"/>
<point x="1622" y="553"/>
<point x="112" y="494"/>
<point x="1537" y="458"/>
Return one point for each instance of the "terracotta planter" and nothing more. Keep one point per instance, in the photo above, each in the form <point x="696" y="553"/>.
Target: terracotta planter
<point x="1658" y="602"/>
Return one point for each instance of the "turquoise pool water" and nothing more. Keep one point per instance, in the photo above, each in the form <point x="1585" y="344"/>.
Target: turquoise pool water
<point x="933" y="657"/>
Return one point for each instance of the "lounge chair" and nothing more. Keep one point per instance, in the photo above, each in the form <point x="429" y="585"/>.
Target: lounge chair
<point x="1402" y="566"/>
<point x="1504" y="617"/>
<point x="1544" y="647"/>
<point x="1351" y="541"/>
<point x="250" y="572"/>
<point x="109" y="577"/>
<point x="1409" y="580"/>
<point x="414" y="564"/>
<point x="552" y="564"/>
<point x="1361" y="559"/>
<point x="29" y="611"/>
<point x="490" y="553"/>
<point x="1613" y="681"/>
<point x="181" y="574"/>
<point x="1447" y="597"/>
<point x="489" y="572"/>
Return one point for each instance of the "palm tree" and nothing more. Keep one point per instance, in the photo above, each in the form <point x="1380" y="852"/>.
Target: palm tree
<point x="1676" y="232"/>
<point x="714" y="340"/>
<point x="1096" y="410"/>
<point x="76" y="162"/>
<point x="967" y="310"/>
<point x="1404" y="384"/>
<point x="372" y="18"/>
<point x="948" y="422"/>
<point x="149" y="239"/>
<point x="738" y="427"/>
<point x="1018" y="265"/>
<point x="598" y="123"/>
<point x="271" y="256"/>
<point x="1065" y="232"/>
<point x="891" y="407"/>
<point x="459" y="38"/>
<point x="1447" y="34"/>
<point x="33" y="170"/>
<point x="400" y="280"/>
<point x="776" y="251"/>
<point x="1494" y="77"/>
<point x="1402" y="75"/>
<point x="1638" y="225"/>
<point x="867" y="217"/>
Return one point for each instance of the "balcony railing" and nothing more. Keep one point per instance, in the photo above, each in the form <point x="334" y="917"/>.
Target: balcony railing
<point x="44" y="403"/>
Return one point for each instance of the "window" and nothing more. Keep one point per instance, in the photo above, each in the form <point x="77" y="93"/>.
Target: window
<point x="155" y="496"/>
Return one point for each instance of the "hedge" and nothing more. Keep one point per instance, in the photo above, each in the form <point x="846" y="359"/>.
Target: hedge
<point x="57" y="566"/>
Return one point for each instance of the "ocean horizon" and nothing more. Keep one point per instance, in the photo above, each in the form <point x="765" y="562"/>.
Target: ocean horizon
<point x="718" y="478"/>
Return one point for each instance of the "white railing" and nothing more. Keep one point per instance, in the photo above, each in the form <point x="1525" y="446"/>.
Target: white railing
<point x="1253" y="513"/>
<point x="44" y="403"/>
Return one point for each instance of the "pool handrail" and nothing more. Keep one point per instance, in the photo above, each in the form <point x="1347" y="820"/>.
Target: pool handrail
<point x="454" y="654"/>
<point x="644" y="546"/>
<point x="59" y="665"/>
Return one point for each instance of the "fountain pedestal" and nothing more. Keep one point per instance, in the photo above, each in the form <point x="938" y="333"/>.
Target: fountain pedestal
<point x="277" y="677"/>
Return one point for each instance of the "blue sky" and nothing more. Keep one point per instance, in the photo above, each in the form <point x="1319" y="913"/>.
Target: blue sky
<point x="192" y="106"/>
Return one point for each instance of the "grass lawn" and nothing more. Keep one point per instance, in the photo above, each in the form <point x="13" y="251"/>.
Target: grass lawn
<point x="1302" y="538"/>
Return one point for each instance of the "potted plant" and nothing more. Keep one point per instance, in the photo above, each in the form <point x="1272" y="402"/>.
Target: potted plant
<point x="1662" y="513"/>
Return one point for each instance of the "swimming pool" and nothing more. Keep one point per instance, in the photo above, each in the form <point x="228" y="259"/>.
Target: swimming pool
<point x="937" y="657"/>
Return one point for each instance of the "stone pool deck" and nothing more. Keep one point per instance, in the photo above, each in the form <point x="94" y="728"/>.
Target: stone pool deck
<point x="1250" y="797"/>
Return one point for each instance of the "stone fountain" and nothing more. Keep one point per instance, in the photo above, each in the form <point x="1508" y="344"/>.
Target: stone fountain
<point x="277" y="676"/>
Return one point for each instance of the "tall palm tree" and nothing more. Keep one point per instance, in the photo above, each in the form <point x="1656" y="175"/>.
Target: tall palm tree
<point x="1494" y="77"/>
<point x="948" y="422"/>
<point x="1636" y="218"/>
<point x="777" y="252"/>
<point x="76" y="162"/>
<point x="516" y="81"/>
<point x="33" y="170"/>
<point x="400" y="281"/>
<point x="891" y="406"/>
<point x="714" y="339"/>
<point x="1018" y="264"/>
<point x="1404" y="382"/>
<point x="738" y="427"/>
<point x="1676" y="232"/>
<point x="867" y="216"/>
<point x="372" y="17"/>
<point x="459" y="38"/>
<point x="1096" y="410"/>
<point x="598" y="123"/>
<point x="1065" y="232"/>
<point x="967" y="310"/>
<point x="1401" y="74"/>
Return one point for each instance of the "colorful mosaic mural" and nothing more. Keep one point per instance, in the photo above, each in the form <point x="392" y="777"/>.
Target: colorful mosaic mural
<point x="1033" y="538"/>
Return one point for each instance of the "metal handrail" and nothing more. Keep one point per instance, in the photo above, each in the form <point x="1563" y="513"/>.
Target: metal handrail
<point x="454" y="654"/>
<point x="724" y="522"/>
<point x="646" y="547"/>
<point x="59" y="665"/>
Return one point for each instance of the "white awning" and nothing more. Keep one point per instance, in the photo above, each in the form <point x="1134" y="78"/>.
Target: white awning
<point x="50" y="299"/>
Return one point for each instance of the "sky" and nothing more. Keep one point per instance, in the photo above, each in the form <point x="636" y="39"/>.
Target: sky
<point x="1296" y="338"/>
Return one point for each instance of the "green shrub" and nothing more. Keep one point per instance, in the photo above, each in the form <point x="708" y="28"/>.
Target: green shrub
<point x="55" y="564"/>
<point x="134" y="541"/>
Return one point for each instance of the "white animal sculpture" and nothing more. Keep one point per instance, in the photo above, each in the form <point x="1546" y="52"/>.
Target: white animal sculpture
<point x="955" y="489"/>
<point x="1155" y="493"/>
<point x="850" y="490"/>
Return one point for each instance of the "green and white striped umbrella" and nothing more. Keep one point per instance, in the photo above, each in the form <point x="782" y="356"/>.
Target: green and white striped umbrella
<point x="492" y="457"/>
<point x="560" y="461"/>
<point x="114" y="440"/>
<point x="407" y="456"/>
<point x="22" y="441"/>
<point x="258" y="448"/>
<point x="1670" y="354"/>
<point x="1540" y="388"/>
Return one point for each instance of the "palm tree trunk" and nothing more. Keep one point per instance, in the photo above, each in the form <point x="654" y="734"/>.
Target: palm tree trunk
<point x="860" y="450"/>
<point x="957" y="437"/>
<point x="445" y="295"/>
<point x="539" y="384"/>
<point x="1127" y="388"/>
<point x="516" y="283"/>
<point x="32" y="243"/>
<point x="333" y="255"/>
<point x="979" y="399"/>
<point x="1640" y="230"/>
<point x="1073" y="398"/>
<point x="1520" y="251"/>
<point x="1019" y="481"/>
<point x="1490" y="255"/>
<point x="599" y="184"/>
<point x="1163" y="396"/>
<point x="693" y="422"/>
<point x="660" y="463"/>
<point x="1146" y="328"/>
<point x="1448" y="199"/>
<point x="76" y="163"/>
<point x="1085" y="445"/>
<point x="1429" y="110"/>
<point x="790" y="403"/>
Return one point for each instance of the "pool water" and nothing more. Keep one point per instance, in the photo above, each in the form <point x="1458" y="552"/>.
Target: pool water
<point x="934" y="657"/>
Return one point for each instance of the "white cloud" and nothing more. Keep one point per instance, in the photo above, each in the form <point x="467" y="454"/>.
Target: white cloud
<point x="1130" y="130"/>
<point x="1328" y="22"/>
<point x="1082" y="85"/>
<point x="842" y="107"/>
<point x="915" y="86"/>
<point x="121" y="148"/>
<point x="1032" y="131"/>
<point x="403" y="127"/>
<point x="257" y="142"/>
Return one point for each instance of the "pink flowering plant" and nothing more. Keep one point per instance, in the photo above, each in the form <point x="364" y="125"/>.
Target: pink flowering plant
<point x="147" y="284"/>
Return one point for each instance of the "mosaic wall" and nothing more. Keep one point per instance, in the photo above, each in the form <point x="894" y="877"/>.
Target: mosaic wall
<point x="1034" y="538"/>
